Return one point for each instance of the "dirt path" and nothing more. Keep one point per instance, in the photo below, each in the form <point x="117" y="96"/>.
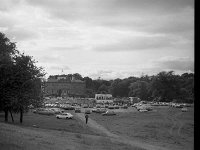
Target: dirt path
<point x="115" y="138"/>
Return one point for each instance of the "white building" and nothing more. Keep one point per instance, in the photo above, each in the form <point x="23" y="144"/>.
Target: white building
<point x="103" y="98"/>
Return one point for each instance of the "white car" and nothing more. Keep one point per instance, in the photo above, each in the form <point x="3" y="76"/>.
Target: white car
<point x="143" y="110"/>
<point x="64" y="116"/>
<point x="184" y="109"/>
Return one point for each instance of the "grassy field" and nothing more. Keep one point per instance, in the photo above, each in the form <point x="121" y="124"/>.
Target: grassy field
<point x="48" y="133"/>
<point x="26" y="138"/>
<point x="165" y="126"/>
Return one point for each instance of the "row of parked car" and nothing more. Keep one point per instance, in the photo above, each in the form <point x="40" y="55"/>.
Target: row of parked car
<point x="143" y="106"/>
<point x="60" y="114"/>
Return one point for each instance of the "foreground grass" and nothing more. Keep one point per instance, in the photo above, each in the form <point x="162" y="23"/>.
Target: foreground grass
<point x="165" y="126"/>
<point x="46" y="132"/>
<point x="51" y="122"/>
<point x="23" y="138"/>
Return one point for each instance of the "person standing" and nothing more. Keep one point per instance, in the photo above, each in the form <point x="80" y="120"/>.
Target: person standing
<point x="86" y="118"/>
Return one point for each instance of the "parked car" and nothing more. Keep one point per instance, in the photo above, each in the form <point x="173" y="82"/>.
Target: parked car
<point x="124" y="107"/>
<point x="178" y="106"/>
<point x="106" y="106"/>
<point x="100" y="110"/>
<point x="143" y="110"/>
<point x="57" y="110"/>
<point x="184" y="109"/>
<point x="85" y="106"/>
<point x="69" y="108"/>
<point x="87" y="111"/>
<point x="111" y="107"/>
<point x="94" y="109"/>
<point x="77" y="110"/>
<point x="64" y="116"/>
<point x="98" y="106"/>
<point x="116" y="106"/>
<point x="46" y="112"/>
<point x="109" y="113"/>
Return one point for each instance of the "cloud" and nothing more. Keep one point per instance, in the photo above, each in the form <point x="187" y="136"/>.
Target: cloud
<point x="88" y="9"/>
<point x="136" y="43"/>
<point x="64" y="48"/>
<point x="176" y="63"/>
<point x="112" y="74"/>
<point x="59" y="68"/>
<point x="119" y="35"/>
<point x="21" y="34"/>
<point x="9" y="5"/>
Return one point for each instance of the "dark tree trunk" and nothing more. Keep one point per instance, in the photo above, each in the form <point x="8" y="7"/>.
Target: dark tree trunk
<point x="21" y="115"/>
<point x="11" y="115"/>
<point x="6" y="114"/>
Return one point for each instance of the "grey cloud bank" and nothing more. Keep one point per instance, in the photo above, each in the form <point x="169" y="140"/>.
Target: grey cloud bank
<point x="120" y="35"/>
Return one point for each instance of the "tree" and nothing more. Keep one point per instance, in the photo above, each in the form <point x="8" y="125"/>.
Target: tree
<point x="18" y="76"/>
<point x="7" y="53"/>
<point x="77" y="76"/>
<point x="88" y="82"/>
<point x="139" y="89"/>
<point x="165" y="85"/>
<point x="26" y="79"/>
<point x="120" y="88"/>
<point x="103" y="89"/>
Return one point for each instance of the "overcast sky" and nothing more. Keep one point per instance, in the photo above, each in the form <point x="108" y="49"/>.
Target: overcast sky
<point x="103" y="38"/>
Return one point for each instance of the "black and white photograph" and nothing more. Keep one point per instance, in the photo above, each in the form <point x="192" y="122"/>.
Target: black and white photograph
<point x="97" y="74"/>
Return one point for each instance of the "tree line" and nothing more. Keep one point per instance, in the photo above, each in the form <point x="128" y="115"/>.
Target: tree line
<point x="20" y="80"/>
<point x="165" y="86"/>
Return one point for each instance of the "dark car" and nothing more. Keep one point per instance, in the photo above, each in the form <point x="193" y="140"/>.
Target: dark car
<point x="111" y="107"/>
<point x="87" y="111"/>
<point x="116" y="107"/>
<point x="100" y="110"/>
<point x="124" y="107"/>
<point x="77" y="110"/>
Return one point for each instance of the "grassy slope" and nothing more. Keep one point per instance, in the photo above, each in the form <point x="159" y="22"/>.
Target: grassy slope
<point x="18" y="138"/>
<point x="52" y="133"/>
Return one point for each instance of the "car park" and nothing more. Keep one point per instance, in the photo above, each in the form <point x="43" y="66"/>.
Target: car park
<point x="64" y="116"/>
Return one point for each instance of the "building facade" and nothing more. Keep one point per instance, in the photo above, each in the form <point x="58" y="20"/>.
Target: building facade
<point x="65" y="88"/>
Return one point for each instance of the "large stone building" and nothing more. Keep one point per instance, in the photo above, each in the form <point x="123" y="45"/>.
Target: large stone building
<point x="65" y="88"/>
